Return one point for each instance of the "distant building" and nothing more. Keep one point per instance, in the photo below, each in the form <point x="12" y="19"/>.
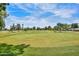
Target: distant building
<point x="75" y="29"/>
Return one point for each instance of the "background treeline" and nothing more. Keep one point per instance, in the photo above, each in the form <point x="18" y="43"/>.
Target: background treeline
<point x="57" y="27"/>
<point x="21" y="27"/>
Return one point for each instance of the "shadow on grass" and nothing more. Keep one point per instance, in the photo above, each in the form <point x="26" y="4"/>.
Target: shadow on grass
<point x="8" y="35"/>
<point x="52" y="51"/>
<point x="12" y="50"/>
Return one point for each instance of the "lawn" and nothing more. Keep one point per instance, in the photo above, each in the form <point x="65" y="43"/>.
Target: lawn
<point x="44" y="43"/>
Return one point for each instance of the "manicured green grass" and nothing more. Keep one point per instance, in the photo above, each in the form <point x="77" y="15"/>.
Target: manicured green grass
<point x="52" y="51"/>
<point x="44" y="42"/>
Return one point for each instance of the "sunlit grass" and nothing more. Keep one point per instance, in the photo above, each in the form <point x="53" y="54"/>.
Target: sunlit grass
<point x="44" y="40"/>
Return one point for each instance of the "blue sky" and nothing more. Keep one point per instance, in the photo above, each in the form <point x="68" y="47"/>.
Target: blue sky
<point x="42" y="14"/>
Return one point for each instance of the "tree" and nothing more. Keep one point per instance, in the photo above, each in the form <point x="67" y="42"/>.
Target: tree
<point x="38" y="28"/>
<point x="34" y="28"/>
<point x="55" y="28"/>
<point x="18" y="27"/>
<point x="27" y="28"/>
<point x="2" y="24"/>
<point x="75" y="25"/>
<point x="49" y="28"/>
<point x="13" y="27"/>
<point x="22" y="26"/>
<point x="45" y="28"/>
<point x="3" y="14"/>
<point x="66" y="27"/>
<point x="61" y="27"/>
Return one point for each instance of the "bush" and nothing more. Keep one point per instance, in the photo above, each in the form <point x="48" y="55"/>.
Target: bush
<point x="11" y="50"/>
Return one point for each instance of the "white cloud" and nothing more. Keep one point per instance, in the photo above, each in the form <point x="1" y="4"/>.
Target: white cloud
<point x="53" y="8"/>
<point x="46" y="7"/>
<point x="22" y="6"/>
<point x="64" y="13"/>
<point x="76" y="21"/>
<point x="27" y="21"/>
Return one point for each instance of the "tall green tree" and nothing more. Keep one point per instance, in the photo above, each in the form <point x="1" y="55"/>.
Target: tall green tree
<point x="3" y="14"/>
<point x="22" y="26"/>
<point x="61" y="27"/>
<point x="34" y="28"/>
<point x="49" y="28"/>
<point x="74" y="25"/>
<point x="66" y="27"/>
<point x="45" y="28"/>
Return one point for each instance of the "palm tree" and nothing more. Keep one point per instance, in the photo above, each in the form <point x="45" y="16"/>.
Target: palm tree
<point x="22" y="26"/>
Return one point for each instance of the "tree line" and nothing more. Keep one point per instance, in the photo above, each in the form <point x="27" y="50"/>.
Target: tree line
<point x="18" y="27"/>
<point x="58" y="27"/>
